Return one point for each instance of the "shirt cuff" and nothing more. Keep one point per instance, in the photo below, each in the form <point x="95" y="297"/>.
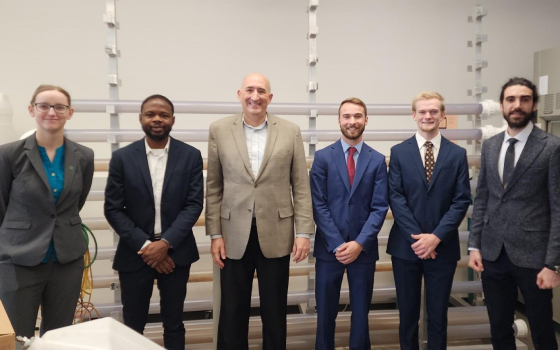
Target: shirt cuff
<point x="215" y="236"/>
<point x="166" y="241"/>
<point x="335" y="249"/>
<point x="474" y="249"/>
<point x="303" y="235"/>
<point x="147" y="243"/>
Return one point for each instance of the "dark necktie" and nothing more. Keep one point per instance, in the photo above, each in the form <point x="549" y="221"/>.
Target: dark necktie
<point x="509" y="161"/>
<point x="350" y="165"/>
<point x="429" y="160"/>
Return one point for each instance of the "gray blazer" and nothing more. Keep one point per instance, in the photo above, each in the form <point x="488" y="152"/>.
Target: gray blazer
<point x="524" y="217"/>
<point x="29" y="217"/>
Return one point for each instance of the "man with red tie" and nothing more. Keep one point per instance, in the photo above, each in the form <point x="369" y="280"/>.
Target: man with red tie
<point x="349" y="192"/>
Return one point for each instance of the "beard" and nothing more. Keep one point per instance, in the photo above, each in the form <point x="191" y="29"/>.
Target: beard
<point x="518" y="124"/>
<point x="157" y="137"/>
<point x="357" y="135"/>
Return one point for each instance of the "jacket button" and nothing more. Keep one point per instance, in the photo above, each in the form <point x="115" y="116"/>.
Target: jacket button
<point x="255" y="185"/>
<point x="504" y="200"/>
<point x="429" y="197"/>
<point x="52" y="216"/>
<point x="249" y="210"/>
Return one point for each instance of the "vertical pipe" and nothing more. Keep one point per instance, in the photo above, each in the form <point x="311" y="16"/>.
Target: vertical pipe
<point x="312" y="87"/>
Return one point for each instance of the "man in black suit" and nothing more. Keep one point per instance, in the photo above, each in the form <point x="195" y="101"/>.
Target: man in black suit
<point x="515" y="234"/>
<point x="153" y="199"/>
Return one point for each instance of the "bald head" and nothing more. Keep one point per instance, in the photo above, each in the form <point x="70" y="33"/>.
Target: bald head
<point x="257" y="78"/>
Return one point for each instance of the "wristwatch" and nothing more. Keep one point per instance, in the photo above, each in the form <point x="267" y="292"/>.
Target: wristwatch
<point x="556" y="269"/>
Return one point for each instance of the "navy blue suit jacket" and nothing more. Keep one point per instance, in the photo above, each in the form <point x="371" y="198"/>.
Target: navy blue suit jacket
<point x="130" y="205"/>
<point x="343" y="214"/>
<point x="437" y="208"/>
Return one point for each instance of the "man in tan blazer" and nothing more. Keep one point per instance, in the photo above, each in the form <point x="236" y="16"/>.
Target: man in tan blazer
<point x="257" y="188"/>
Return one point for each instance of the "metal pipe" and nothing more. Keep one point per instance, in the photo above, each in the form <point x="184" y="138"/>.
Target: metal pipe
<point x="106" y="253"/>
<point x="204" y="107"/>
<point x="463" y="323"/>
<point x="130" y="135"/>
<point x="103" y="164"/>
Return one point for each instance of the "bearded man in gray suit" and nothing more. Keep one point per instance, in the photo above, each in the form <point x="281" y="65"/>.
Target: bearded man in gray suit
<point x="515" y="234"/>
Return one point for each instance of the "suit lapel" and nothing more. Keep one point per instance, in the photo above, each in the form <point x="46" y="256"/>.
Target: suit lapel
<point x="534" y="146"/>
<point x="272" y="133"/>
<point x="339" y="160"/>
<point x="416" y="158"/>
<point x="172" y="159"/>
<point x="363" y="162"/>
<point x="35" y="159"/>
<point x="142" y="161"/>
<point x="493" y="154"/>
<point x="440" y="161"/>
<point x="240" y="141"/>
<point x="71" y="159"/>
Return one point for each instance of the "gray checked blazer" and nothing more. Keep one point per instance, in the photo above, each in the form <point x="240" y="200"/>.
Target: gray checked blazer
<point x="29" y="217"/>
<point x="525" y="216"/>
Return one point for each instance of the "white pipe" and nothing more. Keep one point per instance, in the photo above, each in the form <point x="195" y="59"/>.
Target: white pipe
<point x="489" y="108"/>
<point x="489" y="130"/>
<point x="106" y="253"/>
<point x="130" y="135"/>
<point x="6" y="121"/>
<point x="200" y="107"/>
<point x="294" y="298"/>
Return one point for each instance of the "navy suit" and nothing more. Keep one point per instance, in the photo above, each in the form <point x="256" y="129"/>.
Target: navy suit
<point x="343" y="214"/>
<point x="130" y="210"/>
<point x="418" y="207"/>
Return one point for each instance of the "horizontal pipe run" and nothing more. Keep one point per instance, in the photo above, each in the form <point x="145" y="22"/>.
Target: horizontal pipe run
<point x="101" y="165"/>
<point x="294" y="298"/>
<point x="383" y="326"/>
<point x="206" y="107"/>
<point x="105" y="281"/>
<point x="106" y="253"/>
<point x="131" y="135"/>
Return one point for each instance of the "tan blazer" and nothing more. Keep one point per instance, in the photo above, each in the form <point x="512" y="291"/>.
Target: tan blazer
<point x="232" y="188"/>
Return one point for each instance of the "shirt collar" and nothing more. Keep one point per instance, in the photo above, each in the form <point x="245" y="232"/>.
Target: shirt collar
<point x="345" y="146"/>
<point x="436" y="141"/>
<point x="260" y="127"/>
<point x="149" y="149"/>
<point x="523" y="136"/>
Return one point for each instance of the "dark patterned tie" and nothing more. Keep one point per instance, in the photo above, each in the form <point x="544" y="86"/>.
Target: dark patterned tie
<point x="350" y="165"/>
<point x="429" y="160"/>
<point x="508" y="163"/>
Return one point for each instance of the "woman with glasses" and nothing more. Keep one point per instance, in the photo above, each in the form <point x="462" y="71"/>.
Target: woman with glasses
<point x="44" y="182"/>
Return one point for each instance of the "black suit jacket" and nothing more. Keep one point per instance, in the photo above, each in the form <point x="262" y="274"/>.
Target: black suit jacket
<point x="130" y="205"/>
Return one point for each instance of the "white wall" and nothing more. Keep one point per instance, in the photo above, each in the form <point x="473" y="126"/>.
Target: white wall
<point x="380" y="51"/>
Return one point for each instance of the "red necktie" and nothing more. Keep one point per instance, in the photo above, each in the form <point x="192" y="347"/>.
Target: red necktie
<point x="350" y="165"/>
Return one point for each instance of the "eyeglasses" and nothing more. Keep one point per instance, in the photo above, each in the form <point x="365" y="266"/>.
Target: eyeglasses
<point x="45" y="107"/>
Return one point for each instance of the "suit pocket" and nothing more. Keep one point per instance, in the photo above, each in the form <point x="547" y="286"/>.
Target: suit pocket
<point x="74" y="220"/>
<point x="286" y="212"/>
<point x="225" y="213"/>
<point x="18" y="225"/>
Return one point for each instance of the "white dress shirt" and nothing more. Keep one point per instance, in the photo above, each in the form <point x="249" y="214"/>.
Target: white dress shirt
<point x="436" y="141"/>
<point x="518" y="147"/>
<point x="157" y="163"/>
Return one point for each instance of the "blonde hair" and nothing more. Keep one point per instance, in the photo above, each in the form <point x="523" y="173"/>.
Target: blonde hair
<point x="43" y="88"/>
<point x="428" y="95"/>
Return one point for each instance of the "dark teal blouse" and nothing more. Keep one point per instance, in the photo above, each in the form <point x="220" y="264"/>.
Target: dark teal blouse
<point x="55" y="175"/>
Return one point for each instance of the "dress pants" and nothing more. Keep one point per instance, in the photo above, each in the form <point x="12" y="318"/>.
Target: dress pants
<point x="438" y="279"/>
<point x="136" y="291"/>
<point x="236" y="280"/>
<point x="328" y="277"/>
<point x="53" y="286"/>
<point x="500" y="281"/>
